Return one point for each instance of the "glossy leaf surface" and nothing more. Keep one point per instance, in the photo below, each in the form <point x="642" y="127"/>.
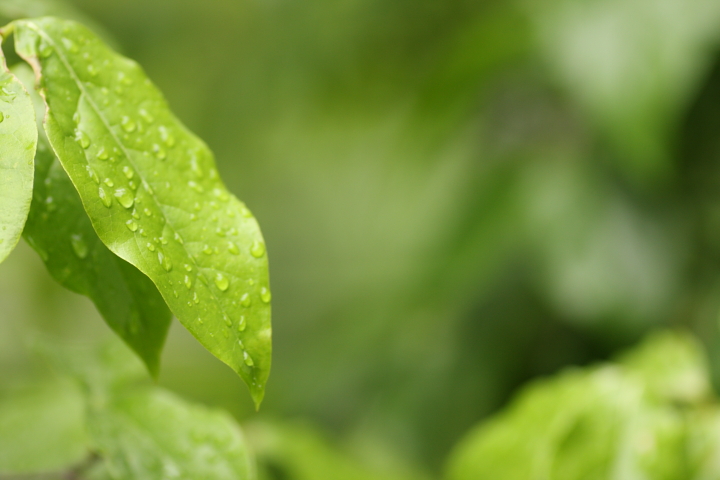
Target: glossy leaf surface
<point x="152" y="192"/>
<point x="60" y="231"/>
<point x="18" y="137"/>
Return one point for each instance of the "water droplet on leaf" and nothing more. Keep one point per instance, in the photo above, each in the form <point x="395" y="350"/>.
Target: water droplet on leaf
<point x="79" y="246"/>
<point x="257" y="249"/>
<point x="221" y="281"/>
<point x="245" y="300"/>
<point x="265" y="295"/>
<point x="82" y="138"/>
<point x="104" y="197"/>
<point x="124" y="197"/>
<point x="128" y="124"/>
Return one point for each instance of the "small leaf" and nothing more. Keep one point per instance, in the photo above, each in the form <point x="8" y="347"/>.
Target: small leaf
<point x="152" y="192"/>
<point x="151" y="433"/>
<point x="60" y="231"/>
<point x="18" y="140"/>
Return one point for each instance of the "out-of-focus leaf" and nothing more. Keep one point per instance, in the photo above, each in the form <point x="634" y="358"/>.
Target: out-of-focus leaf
<point x="672" y="368"/>
<point x="293" y="451"/>
<point x="42" y="428"/>
<point x="151" y="433"/>
<point x="18" y="141"/>
<point x="153" y="194"/>
<point x="632" y="65"/>
<point x="607" y="422"/>
<point x="136" y="430"/>
<point x="60" y="231"/>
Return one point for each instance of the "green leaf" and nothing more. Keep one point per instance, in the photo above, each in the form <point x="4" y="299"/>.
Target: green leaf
<point x="615" y="421"/>
<point x="18" y="140"/>
<point x="297" y="451"/>
<point x="153" y="194"/>
<point x="151" y="433"/>
<point x="60" y="231"/>
<point x="42" y="428"/>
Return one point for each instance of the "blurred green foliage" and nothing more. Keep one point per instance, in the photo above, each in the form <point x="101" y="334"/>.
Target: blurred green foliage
<point x="457" y="197"/>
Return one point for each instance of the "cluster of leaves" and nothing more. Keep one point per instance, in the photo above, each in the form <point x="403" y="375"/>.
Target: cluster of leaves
<point x="124" y="205"/>
<point x="650" y="415"/>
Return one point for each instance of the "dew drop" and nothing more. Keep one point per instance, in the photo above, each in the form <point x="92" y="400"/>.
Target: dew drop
<point x="128" y="172"/>
<point x="133" y="186"/>
<point x="109" y="182"/>
<point x="128" y="124"/>
<point x="196" y="300"/>
<point x="188" y="281"/>
<point x="50" y="204"/>
<point x="232" y="248"/>
<point x="224" y="197"/>
<point x="257" y="249"/>
<point x="150" y="247"/>
<point x="159" y="152"/>
<point x="265" y="295"/>
<point x="79" y="246"/>
<point x="164" y="261"/>
<point x="124" y="197"/>
<point x="147" y="116"/>
<point x="147" y="212"/>
<point x="207" y="250"/>
<point x="221" y="281"/>
<point x="196" y="186"/>
<point x="2" y="117"/>
<point x="199" y="320"/>
<point x="92" y="70"/>
<point x="92" y="174"/>
<point x="178" y="239"/>
<point x="228" y="322"/>
<point x="245" y="300"/>
<point x="219" y="231"/>
<point x="135" y="214"/>
<point x="104" y="197"/>
<point x="82" y="138"/>
<point x="241" y="323"/>
<point x="248" y="359"/>
<point x="131" y="225"/>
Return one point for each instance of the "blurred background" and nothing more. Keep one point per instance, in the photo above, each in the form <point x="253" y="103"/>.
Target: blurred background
<point x="457" y="196"/>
